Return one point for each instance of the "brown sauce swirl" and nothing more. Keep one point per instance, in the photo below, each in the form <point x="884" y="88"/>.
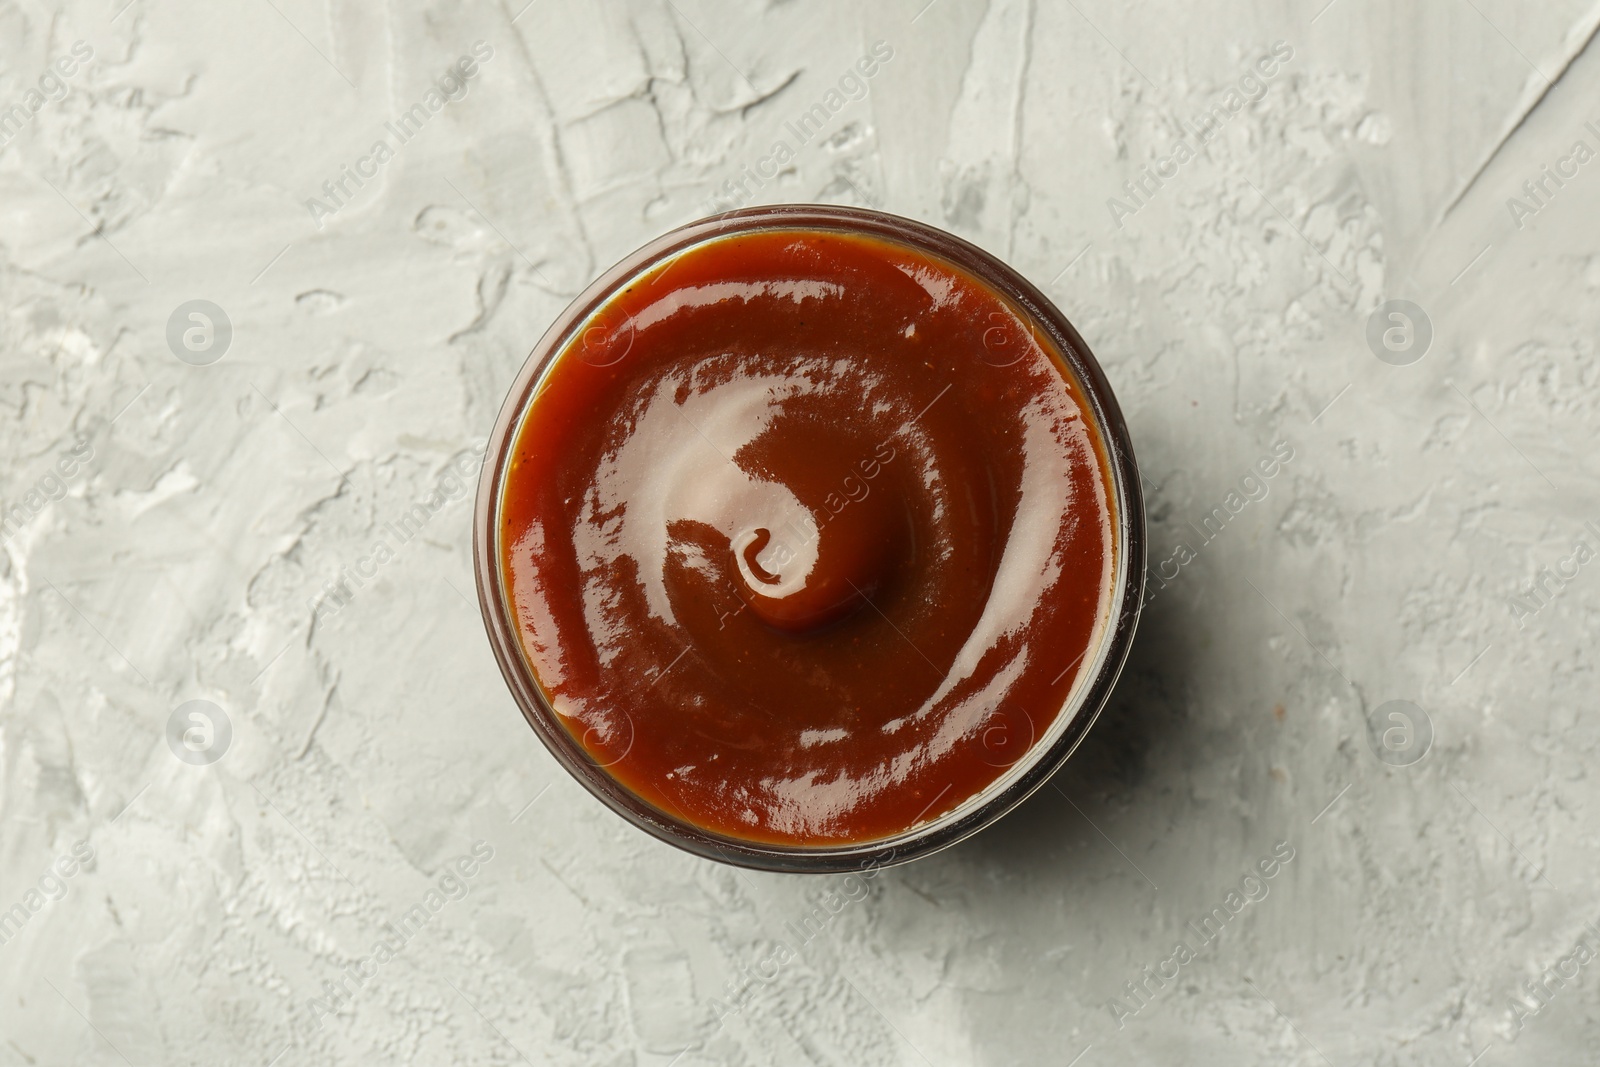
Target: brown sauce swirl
<point x="808" y="536"/>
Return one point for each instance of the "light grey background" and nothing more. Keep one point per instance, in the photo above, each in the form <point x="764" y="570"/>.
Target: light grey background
<point x="183" y="560"/>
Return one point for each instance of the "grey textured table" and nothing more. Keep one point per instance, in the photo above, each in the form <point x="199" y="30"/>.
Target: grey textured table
<point x="381" y="207"/>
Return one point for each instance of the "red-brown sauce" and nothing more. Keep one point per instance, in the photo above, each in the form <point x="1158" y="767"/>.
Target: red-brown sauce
<point x="808" y="536"/>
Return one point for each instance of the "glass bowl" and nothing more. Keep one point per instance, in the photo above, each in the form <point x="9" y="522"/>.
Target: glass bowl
<point x="594" y="343"/>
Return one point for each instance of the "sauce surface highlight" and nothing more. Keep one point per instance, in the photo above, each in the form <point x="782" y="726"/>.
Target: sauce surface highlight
<point x="808" y="536"/>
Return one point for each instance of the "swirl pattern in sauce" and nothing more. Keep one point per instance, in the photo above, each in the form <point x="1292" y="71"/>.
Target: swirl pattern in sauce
<point x="808" y="536"/>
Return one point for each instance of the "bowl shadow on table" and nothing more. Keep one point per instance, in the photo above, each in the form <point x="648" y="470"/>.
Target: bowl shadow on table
<point x="1108" y="780"/>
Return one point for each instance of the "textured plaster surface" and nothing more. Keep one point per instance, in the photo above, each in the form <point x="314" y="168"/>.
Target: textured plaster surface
<point x="1390" y="559"/>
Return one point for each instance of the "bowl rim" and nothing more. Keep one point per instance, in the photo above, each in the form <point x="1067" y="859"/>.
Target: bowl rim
<point x="1035" y="767"/>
